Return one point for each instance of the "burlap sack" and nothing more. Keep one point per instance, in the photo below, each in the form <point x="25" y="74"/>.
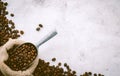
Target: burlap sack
<point x="4" y="56"/>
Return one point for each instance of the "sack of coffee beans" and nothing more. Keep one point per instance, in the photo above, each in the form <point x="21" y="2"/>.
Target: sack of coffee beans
<point x="18" y="62"/>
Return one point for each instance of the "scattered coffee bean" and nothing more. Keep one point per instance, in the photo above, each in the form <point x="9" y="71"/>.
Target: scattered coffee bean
<point x="65" y="64"/>
<point x="38" y="28"/>
<point x="95" y="74"/>
<point x="40" y="25"/>
<point x="74" y="72"/>
<point x="12" y="15"/>
<point x="59" y="64"/>
<point x="53" y="59"/>
<point x="21" y="32"/>
<point x="90" y="73"/>
<point x="5" y="3"/>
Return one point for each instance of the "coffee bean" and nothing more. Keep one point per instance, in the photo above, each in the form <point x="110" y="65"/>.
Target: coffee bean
<point x="38" y="29"/>
<point x="21" y="32"/>
<point x="40" y="25"/>
<point x="12" y="15"/>
<point x="53" y="59"/>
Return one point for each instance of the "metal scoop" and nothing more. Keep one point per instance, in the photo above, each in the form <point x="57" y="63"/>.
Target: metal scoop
<point x="46" y="38"/>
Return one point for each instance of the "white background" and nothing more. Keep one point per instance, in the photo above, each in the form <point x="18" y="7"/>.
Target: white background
<point x="88" y="31"/>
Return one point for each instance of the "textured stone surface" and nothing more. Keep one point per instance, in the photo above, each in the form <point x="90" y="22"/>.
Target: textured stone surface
<point x="88" y="31"/>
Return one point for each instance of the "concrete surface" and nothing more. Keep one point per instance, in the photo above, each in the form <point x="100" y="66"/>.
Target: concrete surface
<point x="88" y="31"/>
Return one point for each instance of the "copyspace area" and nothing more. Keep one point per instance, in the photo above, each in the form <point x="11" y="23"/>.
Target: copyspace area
<point x="88" y="31"/>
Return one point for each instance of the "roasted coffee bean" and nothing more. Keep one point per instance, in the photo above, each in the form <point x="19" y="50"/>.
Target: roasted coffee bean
<point x="12" y="15"/>
<point x="21" y="32"/>
<point x="59" y="64"/>
<point x="40" y="25"/>
<point x="53" y="59"/>
<point x="65" y="64"/>
<point x="95" y="74"/>
<point x="5" y="3"/>
<point x="38" y="28"/>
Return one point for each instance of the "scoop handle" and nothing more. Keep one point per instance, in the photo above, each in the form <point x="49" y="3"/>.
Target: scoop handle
<point x="46" y="38"/>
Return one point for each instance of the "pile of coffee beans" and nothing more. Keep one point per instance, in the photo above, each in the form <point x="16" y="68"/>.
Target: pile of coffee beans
<point x="44" y="69"/>
<point x="7" y="27"/>
<point x="21" y="57"/>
